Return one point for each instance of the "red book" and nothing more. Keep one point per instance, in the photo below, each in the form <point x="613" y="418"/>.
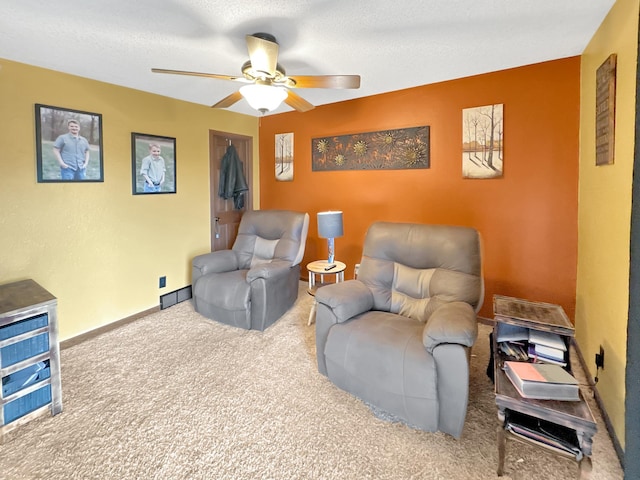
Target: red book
<point x="542" y="381"/>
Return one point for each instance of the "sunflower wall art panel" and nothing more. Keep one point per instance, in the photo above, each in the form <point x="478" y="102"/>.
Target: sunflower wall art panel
<point x="405" y="148"/>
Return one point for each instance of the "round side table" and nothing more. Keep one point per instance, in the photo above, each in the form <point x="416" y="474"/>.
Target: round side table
<point x="322" y="268"/>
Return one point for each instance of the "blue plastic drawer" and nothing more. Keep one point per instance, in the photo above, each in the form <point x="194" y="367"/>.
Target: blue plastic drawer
<point x="30" y="402"/>
<point x="30" y="347"/>
<point x="25" y="377"/>
<point x="24" y="326"/>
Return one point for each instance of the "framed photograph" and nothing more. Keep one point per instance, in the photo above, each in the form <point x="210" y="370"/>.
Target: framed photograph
<point x="483" y="141"/>
<point x="284" y="157"/>
<point x="153" y="164"/>
<point x="68" y="145"/>
<point x="606" y="110"/>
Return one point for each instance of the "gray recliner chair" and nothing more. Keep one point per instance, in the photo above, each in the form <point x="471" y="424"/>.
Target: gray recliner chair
<point x="254" y="283"/>
<point x="399" y="336"/>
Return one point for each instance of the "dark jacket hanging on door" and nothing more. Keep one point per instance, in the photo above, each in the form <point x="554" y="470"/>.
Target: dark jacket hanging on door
<point x="232" y="181"/>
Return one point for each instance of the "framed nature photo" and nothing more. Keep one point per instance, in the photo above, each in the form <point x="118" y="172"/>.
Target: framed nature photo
<point x="284" y="157"/>
<point x="483" y="141"/>
<point x="68" y="145"/>
<point x="153" y="164"/>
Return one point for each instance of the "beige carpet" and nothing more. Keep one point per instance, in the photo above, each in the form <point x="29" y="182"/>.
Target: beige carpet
<point x="176" y="396"/>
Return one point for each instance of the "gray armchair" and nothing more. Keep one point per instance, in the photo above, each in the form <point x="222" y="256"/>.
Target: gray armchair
<point x="399" y="336"/>
<point x="254" y="283"/>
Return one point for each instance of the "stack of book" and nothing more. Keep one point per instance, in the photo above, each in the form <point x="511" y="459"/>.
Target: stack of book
<point x="522" y="343"/>
<point x="547" y="347"/>
<point x="542" y="381"/>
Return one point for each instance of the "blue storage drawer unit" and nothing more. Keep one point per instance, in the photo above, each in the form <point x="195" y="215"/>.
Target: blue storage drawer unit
<point x="27" y="404"/>
<point x="30" y="347"/>
<point x="24" y="326"/>
<point x="29" y="355"/>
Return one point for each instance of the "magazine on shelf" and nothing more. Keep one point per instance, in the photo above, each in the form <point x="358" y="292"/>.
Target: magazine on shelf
<point x="551" y="342"/>
<point x="542" y="381"/>
<point x="514" y="350"/>
<point x="521" y="343"/>
<point x="511" y="333"/>
<point x="556" y="437"/>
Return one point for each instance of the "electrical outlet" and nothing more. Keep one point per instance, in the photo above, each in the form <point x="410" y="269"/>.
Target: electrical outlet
<point x="162" y="282"/>
<point x="600" y="358"/>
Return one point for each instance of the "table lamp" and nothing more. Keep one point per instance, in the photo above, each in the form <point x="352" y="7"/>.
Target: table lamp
<point x="330" y="227"/>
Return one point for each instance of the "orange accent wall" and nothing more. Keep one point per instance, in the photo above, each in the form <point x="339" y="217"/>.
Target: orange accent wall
<point x="527" y="218"/>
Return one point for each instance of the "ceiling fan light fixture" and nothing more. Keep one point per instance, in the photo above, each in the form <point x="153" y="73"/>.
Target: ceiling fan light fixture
<point x="268" y="84"/>
<point x="263" y="98"/>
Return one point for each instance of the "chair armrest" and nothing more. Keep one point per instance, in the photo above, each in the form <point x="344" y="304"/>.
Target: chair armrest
<point x="346" y="299"/>
<point x="215" y="262"/>
<point x="453" y="322"/>
<point x="268" y="270"/>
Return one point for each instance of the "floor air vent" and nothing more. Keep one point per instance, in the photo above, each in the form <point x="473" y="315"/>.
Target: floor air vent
<point x="174" y="297"/>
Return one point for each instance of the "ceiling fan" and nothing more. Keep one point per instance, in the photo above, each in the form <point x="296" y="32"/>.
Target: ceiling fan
<point x="267" y="84"/>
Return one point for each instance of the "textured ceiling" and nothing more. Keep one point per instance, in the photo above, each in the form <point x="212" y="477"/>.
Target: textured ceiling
<point x="391" y="44"/>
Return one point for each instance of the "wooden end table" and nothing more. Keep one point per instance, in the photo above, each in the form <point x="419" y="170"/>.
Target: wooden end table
<point x="573" y="415"/>
<point x="322" y="268"/>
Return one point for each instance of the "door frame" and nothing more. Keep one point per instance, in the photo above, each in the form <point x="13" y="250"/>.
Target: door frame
<point x="235" y="139"/>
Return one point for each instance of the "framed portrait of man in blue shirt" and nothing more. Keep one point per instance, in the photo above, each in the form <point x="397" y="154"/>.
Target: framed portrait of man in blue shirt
<point x="68" y="145"/>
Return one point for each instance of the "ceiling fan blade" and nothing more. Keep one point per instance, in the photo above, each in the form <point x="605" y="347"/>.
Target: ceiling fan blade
<point x="263" y="53"/>
<point x="296" y="101"/>
<point x="325" y="81"/>
<point x="228" y="101"/>
<point x="234" y="78"/>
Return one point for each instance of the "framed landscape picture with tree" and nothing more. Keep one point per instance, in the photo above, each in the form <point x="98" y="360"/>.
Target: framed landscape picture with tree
<point x="68" y="145"/>
<point x="482" y="141"/>
<point x="284" y="157"/>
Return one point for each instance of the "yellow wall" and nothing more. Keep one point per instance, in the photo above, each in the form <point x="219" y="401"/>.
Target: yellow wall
<point x="95" y="246"/>
<point x="604" y="212"/>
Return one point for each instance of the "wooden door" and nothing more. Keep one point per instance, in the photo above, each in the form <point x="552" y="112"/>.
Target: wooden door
<point x="225" y="219"/>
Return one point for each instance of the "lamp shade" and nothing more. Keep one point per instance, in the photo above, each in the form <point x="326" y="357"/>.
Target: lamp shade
<point x="263" y="98"/>
<point x="330" y="224"/>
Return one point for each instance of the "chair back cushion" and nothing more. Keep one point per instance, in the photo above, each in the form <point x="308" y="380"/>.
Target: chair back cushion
<point x="412" y="269"/>
<point x="266" y="235"/>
